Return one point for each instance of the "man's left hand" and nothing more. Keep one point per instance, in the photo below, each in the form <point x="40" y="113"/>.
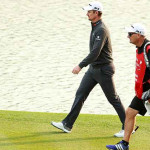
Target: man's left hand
<point x="76" y="70"/>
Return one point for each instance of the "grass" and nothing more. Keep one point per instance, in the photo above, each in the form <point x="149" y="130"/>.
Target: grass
<point x="32" y="131"/>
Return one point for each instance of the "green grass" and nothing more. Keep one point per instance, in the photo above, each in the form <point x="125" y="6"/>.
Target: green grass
<point x="32" y="131"/>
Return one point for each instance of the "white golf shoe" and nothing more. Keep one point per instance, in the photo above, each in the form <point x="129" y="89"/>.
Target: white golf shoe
<point x="61" y="126"/>
<point x="119" y="134"/>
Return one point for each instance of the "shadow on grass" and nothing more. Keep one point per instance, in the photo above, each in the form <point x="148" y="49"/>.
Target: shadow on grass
<point x="7" y="143"/>
<point x="31" y="136"/>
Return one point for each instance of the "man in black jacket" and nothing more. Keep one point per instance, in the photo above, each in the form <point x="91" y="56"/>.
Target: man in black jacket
<point x="101" y="70"/>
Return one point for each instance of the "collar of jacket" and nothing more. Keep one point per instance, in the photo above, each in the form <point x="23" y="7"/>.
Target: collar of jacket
<point x="96" y="23"/>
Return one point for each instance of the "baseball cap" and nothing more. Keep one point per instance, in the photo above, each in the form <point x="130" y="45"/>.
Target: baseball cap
<point x="136" y="28"/>
<point x="94" y="6"/>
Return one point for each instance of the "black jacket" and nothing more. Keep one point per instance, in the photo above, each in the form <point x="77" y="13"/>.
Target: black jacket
<point x="100" y="46"/>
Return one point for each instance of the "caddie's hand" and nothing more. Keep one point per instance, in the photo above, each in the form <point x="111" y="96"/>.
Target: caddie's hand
<point x="146" y="95"/>
<point x="76" y="70"/>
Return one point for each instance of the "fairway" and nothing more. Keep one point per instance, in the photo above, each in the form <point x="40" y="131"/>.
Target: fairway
<point x="32" y="131"/>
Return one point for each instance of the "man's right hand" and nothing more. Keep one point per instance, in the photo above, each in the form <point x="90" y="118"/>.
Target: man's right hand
<point x="76" y="70"/>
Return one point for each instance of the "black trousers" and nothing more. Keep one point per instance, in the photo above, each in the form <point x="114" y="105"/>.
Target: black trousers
<point x="104" y="76"/>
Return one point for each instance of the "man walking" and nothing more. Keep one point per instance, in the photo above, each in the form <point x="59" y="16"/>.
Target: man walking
<point x="136" y="35"/>
<point x="101" y="71"/>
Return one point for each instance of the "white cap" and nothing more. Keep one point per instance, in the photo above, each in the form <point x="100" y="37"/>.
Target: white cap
<point x="94" y="6"/>
<point x="136" y="28"/>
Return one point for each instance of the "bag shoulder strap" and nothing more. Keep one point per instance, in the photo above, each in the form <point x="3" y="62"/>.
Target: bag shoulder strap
<point x="145" y="55"/>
